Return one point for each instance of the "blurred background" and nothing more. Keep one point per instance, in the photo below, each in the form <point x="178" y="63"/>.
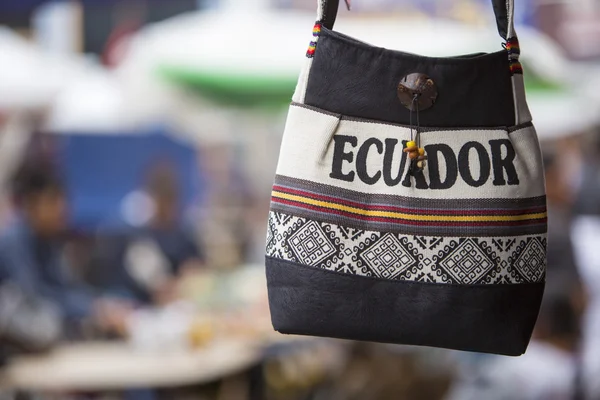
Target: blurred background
<point x="138" y="142"/>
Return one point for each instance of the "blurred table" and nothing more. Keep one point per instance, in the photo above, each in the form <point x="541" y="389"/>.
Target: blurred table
<point x="116" y="366"/>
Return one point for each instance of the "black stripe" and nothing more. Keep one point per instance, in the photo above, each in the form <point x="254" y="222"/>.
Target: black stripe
<point x="533" y="227"/>
<point x="315" y="109"/>
<point x="509" y="129"/>
<point x="357" y="80"/>
<point x="485" y="318"/>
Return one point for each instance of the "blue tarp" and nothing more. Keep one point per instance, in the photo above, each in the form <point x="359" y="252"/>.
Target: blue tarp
<point x="100" y="170"/>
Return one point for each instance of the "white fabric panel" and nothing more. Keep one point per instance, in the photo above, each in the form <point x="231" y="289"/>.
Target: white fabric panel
<point x="585" y="235"/>
<point x="299" y="137"/>
<point x="320" y="8"/>
<point x="522" y="114"/>
<point x="300" y="91"/>
<point x="307" y="152"/>
<point x="530" y="163"/>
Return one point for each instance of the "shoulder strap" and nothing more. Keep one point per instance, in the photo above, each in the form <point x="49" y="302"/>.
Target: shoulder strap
<point x="504" y="10"/>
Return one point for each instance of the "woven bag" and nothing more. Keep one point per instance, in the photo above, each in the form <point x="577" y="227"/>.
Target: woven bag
<point x="409" y="200"/>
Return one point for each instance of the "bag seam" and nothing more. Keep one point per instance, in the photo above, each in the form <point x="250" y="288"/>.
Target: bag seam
<point x="423" y="129"/>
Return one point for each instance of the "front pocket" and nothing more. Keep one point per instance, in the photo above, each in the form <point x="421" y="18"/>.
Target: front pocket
<point x="344" y="200"/>
<point x="367" y="156"/>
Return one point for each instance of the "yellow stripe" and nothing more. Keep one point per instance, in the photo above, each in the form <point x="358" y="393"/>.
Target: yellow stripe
<point x="411" y="217"/>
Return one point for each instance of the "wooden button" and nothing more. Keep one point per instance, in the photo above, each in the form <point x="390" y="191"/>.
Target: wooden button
<point x="420" y="85"/>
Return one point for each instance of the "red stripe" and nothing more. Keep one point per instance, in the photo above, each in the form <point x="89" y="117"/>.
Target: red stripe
<point x="363" y="206"/>
<point x="404" y="221"/>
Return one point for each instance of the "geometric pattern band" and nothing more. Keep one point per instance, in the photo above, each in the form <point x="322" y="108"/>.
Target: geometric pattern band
<point x="393" y="256"/>
<point x="409" y="215"/>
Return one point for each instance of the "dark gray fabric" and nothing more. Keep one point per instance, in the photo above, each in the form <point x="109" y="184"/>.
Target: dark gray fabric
<point x="485" y="318"/>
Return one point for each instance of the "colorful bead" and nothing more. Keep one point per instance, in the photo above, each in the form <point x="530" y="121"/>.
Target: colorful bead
<point x="415" y="153"/>
<point x="514" y="50"/>
<point x="313" y="44"/>
<point x="311" y="49"/>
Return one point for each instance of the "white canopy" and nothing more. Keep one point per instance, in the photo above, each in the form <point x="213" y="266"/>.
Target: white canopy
<point x="260" y="43"/>
<point x="272" y="44"/>
<point x="30" y="78"/>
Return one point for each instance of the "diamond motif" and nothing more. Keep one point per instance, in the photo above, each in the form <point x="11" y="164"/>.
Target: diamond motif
<point x="532" y="261"/>
<point x="387" y="258"/>
<point x="494" y="260"/>
<point x="467" y="263"/>
<point x="310" y="244"/>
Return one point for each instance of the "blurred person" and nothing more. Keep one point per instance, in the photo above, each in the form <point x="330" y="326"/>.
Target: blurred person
<point x="30" y="252"/>
<point x="586" y="239"/>
<point x="550" y="369"/>
<point x="228" y="207"/>
<point x="152" y="259"/>
<point x="28" y="323"/>
<point x="562" y="267"/>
